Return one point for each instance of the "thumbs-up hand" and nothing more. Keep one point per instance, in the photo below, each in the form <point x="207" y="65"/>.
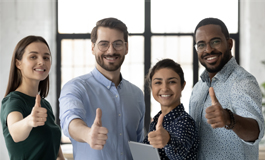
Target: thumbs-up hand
<point x="98" y="134"/>
<point x="38" y="114"/>
<point x="160" y="137"/>
<point x="216" y="116"/>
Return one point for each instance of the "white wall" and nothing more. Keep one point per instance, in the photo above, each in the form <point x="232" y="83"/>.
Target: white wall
<point x="20" y="18"/>
<point x="252" y="37"/>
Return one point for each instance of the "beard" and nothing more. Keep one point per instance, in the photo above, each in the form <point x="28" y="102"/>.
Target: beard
<point x="110" y="66"/>
<point x="224" y="60"/>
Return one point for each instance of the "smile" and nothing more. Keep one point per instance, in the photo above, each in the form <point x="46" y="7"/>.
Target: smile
<point x="165" y="95"/>
<point x="40" y="70"/>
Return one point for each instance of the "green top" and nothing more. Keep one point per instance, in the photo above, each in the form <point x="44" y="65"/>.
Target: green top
<point x="43" y="142"/>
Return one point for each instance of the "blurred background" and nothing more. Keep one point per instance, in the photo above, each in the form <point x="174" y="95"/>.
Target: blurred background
<point x="158" y="29"/>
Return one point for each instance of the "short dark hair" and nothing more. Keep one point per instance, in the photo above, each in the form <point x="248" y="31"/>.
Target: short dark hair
<point x="112" y="23"/>
<point x="214" y="21"/>
<point x="165" y="63"/>
<point x="15" y="76"/>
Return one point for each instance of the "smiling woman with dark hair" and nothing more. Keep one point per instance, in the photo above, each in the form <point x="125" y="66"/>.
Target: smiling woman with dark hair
<point x="173" y="130"/>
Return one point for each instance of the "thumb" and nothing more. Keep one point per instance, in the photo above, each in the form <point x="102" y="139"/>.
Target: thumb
<point x="37" y="101"/>
<point x="159" y="124"/>
<point x="212" y="95"/>
<point x="97" y="120"/>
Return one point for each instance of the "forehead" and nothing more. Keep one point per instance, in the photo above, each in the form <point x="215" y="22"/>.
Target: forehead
<point x="165" y="73"/>
<point x="38" y="47"/>
<point x="207" y="32"/>
<point x="109" y="34"/>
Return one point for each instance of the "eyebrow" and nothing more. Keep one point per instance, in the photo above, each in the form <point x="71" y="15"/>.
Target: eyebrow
<point x="112" y="42"/>
<point x="210" y="39"/>
<point x="34" y="52"/>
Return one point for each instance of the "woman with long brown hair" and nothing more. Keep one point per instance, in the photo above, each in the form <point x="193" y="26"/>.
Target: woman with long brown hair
<point x="27" y="119"/>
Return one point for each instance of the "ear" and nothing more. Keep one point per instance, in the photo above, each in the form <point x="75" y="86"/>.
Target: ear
<point x="126" y="48"/>
<point x="230" y="43"/>
<point x="183" y="86"/>
<point x="18" y="64"/>
<point x="93" y="47"/>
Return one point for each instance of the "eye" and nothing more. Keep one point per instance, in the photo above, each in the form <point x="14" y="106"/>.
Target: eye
<point x="103" y="44"/>
<point x="216" y="42"/>
<point x="157" y="82"/>
<point x="46" y="58"/>
<point x="201" y="45"/>
<point x="172" y="82"/>
<point x="33" y="57"/>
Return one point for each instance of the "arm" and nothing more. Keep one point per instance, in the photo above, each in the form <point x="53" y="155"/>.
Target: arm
<point x="20" y="128"/>
<point x="245" y="128"/>
<point x="95" y="136"/>
<point x="60" y="155"/>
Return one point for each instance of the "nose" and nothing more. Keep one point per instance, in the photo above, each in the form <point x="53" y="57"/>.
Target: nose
<point x="208" y="48"/>
<point x="111" y="49"/>
<point x="41" y="61"/>
<point x="164" y="87"/>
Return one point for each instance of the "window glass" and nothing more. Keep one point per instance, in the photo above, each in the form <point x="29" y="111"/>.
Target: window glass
<point x="178" y="48"/>
<point x="171" y="16"/>
<point x="80" y="16"/>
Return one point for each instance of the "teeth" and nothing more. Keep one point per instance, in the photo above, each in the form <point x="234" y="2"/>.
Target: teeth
<point x="211" y="58"/>
<point x="110" y="58"/>
<point x="165" y="95"/>
<point x="39" y="69"/>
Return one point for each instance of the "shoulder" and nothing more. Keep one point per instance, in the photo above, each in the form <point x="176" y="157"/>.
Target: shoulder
<point x="131" y="86"/>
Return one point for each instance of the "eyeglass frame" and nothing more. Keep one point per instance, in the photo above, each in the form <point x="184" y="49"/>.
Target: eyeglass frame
<point x="113" y="45"/>
<point x="211" y="45"/>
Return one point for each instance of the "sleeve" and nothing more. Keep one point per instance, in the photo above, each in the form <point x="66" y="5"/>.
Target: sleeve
<point x="247" y="102"/>
<point x="10" y="105"/>
<point x="71" y="106"/>
<point x="140" y="130"/>
<point x="182" y="139"/>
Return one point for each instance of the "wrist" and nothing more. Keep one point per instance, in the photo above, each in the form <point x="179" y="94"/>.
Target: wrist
<point x="231" y="120"/>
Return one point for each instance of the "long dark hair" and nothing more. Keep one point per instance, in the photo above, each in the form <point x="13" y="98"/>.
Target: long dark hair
<point x="15" y="76"/>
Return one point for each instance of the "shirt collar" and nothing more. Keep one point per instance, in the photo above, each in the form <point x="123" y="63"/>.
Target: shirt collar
<point x="103" y="80"/>
<point x="223" y="74"/>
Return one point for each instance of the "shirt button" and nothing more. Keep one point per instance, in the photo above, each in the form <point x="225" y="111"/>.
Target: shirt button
<point x="120" y="134"/>
<point x="116" y="95"/>
<point x="119" y="114"/>
<point x="121" y="153"/>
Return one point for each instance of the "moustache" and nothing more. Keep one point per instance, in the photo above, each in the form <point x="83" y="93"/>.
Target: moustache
<point x="212" y="53"/>
<point x="113" y="55"/>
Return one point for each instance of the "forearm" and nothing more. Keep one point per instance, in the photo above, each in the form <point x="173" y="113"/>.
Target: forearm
<point x="246" y="128"/>
<point x="60" y="155"/>
<point x="20" y="130"/>
<point x="78" y="130"/>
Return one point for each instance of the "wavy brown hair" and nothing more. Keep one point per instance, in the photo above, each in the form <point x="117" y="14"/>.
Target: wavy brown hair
<point x="15" y="76"/>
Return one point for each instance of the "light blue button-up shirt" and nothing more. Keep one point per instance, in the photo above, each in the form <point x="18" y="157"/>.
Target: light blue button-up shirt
<point x="237" y="90"/>
<point x="123" y="112"/>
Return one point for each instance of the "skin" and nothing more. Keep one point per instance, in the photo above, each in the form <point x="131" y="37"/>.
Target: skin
<point x="34" y="66"/>
<point x="109" y="64"/>
<point x="166" y="89"/>
<point x="214" y="59"/>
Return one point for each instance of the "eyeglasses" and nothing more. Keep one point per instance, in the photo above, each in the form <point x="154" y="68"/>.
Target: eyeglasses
<point x="104" y="45"/>
<point x="201" y="46"/>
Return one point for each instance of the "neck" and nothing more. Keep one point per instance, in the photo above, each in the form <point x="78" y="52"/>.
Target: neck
<point x="28" y="87"/>
<point x="113" y="76"/>
<point x="166" y="109"/>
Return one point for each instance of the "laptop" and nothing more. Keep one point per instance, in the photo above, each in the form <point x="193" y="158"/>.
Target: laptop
<point x="141" y="151"/>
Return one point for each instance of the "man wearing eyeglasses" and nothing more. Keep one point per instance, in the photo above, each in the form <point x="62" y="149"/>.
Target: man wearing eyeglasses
<point x="101" y="111"/>
<point x="226" y="102"/>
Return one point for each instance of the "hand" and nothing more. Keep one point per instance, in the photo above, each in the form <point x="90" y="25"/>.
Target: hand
<point x="216" y="116"/>
<point x="98" y="134"/>
<point x="38" y="115"/>
<point x="160" y="137"/>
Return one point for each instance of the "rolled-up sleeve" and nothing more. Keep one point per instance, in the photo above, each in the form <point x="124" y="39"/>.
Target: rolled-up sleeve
<point x="71" y="106"/>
